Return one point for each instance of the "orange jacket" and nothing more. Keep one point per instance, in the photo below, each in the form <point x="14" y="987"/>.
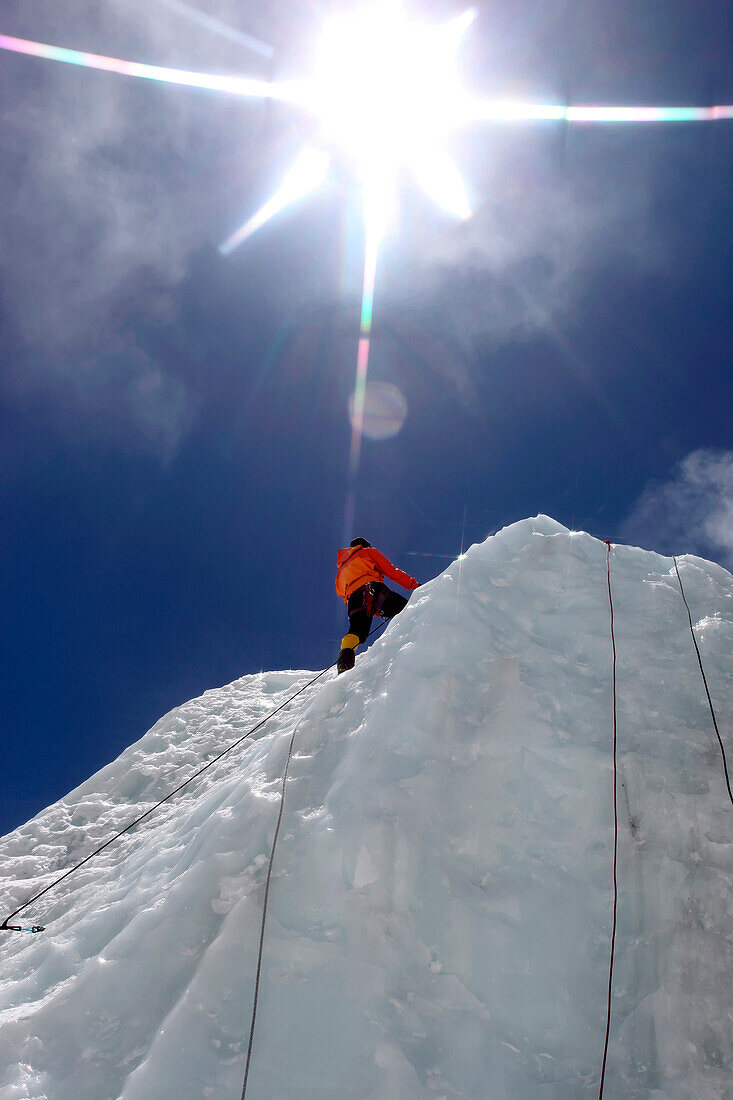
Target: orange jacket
<point x="358" y="565"/>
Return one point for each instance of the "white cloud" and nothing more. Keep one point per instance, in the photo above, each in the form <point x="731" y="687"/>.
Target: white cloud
<point x="103" y="187"/>
<point x="692" y="512"/>
<point x="522" y="263"/>
<point x="160" y="408"/>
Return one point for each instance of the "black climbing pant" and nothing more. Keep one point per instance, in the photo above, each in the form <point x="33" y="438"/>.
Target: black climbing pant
<point x="370" y="600"/>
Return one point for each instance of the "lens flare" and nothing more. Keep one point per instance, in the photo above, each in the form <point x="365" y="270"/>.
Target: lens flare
<point x="234" y="85"/>
<point x="386" y="92"/>
<point x="384" y="87"/>
<point x="509" y="111"/>
<point x="374" y="229"/>
<point x="436" y="111"/>
<point x="308" y="173"/>
<point x="384" y="411"/>
<point x="437" y="174"/>
<point x="188" y="11"/>
<point x="647" y="114"/>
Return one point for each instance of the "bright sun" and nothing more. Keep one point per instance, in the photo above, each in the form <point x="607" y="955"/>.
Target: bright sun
<point x="386" y="94"/>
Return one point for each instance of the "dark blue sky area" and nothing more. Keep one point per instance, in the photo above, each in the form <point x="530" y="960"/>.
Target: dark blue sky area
<point x="174" y="431"/>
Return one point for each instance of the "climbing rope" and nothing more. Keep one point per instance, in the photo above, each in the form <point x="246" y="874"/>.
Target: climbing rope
<point x="260" y="948"/>
<point x="615" y="825"/>
<point x="615" y="780"/>
<point x="7" y="927"/>
<point x="705" y="681"/>
<point x="263" y="922"/>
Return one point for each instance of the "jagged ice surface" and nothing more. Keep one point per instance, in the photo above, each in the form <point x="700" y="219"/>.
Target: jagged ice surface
<point x="440" y="909"/>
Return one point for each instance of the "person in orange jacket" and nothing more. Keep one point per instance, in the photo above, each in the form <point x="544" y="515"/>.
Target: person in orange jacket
<point x="360" y="583"/>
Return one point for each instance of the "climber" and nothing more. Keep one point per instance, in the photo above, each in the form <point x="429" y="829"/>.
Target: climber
<point x="359" y="583"/>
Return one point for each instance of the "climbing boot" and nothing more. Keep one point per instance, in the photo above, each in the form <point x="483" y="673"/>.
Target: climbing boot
<point x="346" y="660"/>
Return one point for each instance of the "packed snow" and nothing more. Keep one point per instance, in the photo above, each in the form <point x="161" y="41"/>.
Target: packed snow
<point x="440" y="909"/>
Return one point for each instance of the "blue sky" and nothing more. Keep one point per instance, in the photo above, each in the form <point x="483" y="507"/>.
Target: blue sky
<point x="175" y="432"/>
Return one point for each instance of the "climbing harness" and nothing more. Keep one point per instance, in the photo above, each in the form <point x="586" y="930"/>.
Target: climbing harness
<point x="705" y="681"/>
<point x="7" y="927"/>
<point x="377" y="594"/>
<point x="615" y="824"/>
<point x="372" y="600"/>
<point x="372" y="596"/>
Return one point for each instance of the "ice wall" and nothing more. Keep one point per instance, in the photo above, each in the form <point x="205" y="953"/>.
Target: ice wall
<point x="439" y="920"/>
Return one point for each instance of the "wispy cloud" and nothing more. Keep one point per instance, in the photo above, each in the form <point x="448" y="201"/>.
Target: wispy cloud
<point x="109" y="189"/>
<point x="691" y="512"/>
<point x="522" y="263"/>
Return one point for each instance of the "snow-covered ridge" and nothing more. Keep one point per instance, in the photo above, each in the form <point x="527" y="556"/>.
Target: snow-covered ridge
<point x="439" y="921"/>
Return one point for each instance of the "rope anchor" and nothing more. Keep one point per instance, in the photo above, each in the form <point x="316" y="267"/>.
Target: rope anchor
<point x="22" y="928"/>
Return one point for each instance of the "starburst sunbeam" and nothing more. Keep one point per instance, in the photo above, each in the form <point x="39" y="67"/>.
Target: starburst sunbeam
<point x="233" y="85"/>
<point x="188" y="11"/>
<point x="308" y="173"/>
<point x="472" y="110"/>
<point x="385" y="92"/>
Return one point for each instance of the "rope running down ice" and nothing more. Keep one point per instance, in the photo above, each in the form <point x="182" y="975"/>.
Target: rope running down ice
<point x="260" y="949"/>
<point x="705" y="681"/>
<point x="7" y="927"/>
<point x="615" y="826"/>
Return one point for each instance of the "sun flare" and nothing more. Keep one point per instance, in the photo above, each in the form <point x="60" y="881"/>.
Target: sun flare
<point x="385" y="93"/>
